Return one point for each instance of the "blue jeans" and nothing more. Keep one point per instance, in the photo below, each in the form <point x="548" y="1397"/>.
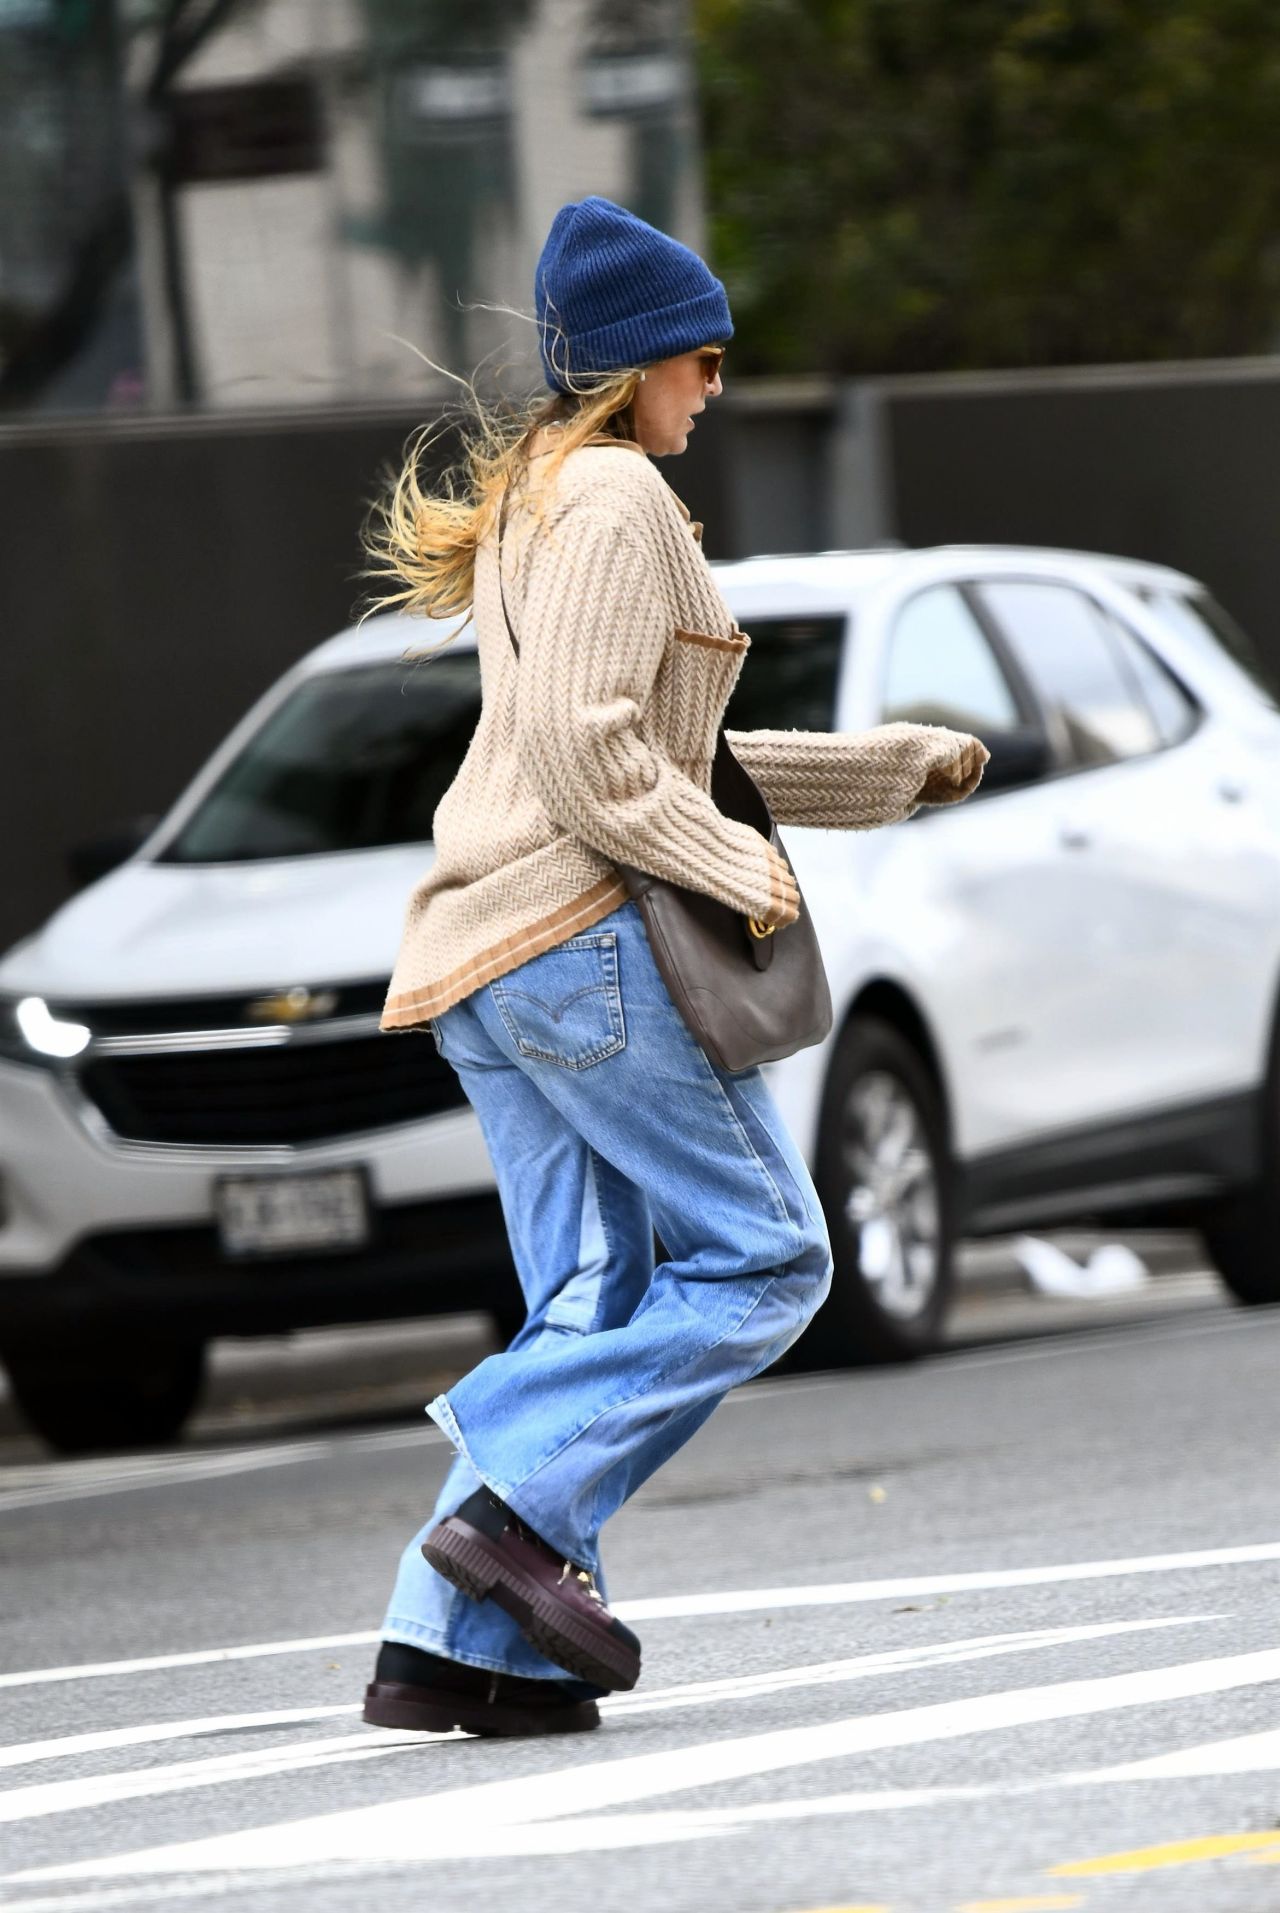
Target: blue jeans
<point x="604" y="1120"/>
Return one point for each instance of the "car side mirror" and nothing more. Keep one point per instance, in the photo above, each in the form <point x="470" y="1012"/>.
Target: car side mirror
<point x="1017" y="757"/>
<point x="88" y="861"/>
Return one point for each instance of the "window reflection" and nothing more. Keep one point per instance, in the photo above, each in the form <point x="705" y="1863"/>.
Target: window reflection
<point x="352" y="760"/>
<point x="941" y="669"/>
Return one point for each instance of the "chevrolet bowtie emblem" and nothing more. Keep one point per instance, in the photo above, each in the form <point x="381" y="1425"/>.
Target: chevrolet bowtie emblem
<point x="298" y="1005"/>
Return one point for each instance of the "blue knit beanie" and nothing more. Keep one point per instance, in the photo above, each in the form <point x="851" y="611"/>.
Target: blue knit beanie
<point x="612" y="291"/>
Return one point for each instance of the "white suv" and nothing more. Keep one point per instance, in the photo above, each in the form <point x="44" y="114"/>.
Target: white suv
<point x="1053" y="1004"/>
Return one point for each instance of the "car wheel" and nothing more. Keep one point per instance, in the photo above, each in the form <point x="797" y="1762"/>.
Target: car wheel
<point x="80" y="1401"/>
<point x="884" y="1177"/>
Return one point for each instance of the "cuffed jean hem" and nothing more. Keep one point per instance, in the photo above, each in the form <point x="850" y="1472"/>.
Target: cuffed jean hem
<point x="412" y="1634"/>
<point x="512" y="1496"/>
<point x="446" y="1421"/>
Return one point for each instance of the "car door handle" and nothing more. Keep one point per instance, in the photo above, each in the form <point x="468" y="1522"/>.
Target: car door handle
<point x="1075" y="837"/>
<point x="1231" y="792"/>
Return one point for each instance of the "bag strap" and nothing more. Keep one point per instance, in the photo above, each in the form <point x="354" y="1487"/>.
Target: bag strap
<point x="502" y="525"/>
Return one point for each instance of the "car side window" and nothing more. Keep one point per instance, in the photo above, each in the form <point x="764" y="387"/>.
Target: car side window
<point x="1061" y="640"/>
<point x="789" y="680"/>
<point x="940" y="669"/>
<point x="1175" y="711"/>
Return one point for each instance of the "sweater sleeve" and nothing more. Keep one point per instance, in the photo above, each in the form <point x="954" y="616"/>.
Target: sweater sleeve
<point x="593" y="627"/>
<point x="856" y="780"/>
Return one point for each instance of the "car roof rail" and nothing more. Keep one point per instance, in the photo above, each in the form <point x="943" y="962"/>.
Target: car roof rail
<point x="834" y="551"/>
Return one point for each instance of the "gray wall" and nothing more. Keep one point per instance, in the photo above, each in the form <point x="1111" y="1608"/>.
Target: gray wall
<point x="154" y="577"/>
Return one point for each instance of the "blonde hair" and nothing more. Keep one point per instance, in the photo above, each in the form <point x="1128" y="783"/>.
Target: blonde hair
<point x="421" y="541"/>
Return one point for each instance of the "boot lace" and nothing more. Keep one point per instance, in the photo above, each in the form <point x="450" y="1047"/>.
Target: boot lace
<point x="588" y="1581"/>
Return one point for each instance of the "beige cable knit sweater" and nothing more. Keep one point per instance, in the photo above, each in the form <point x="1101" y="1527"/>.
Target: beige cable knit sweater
<point x="594" y="747"/>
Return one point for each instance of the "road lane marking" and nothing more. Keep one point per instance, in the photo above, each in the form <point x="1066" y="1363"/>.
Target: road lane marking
<point x="751" y="1600"/>
<point x="197" y="1468"/>
<point x="1174" y="1853"/>
<point x="854" y="1593"/>
<point x="71" y="1746"/>
<point x="97" y="1468"/>
<point x="890" y="1660"/>
<point x="47" y="1483"/>
<point x="446" y="1825"/>
<point x="29" y="1802"/>
<point x="1243" y="1754"/>
<point x="201" y="1657"/>
<point x="256" y="1763"/>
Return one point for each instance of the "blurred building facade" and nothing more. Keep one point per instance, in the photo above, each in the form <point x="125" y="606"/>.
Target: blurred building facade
<point x="269" y="203"/>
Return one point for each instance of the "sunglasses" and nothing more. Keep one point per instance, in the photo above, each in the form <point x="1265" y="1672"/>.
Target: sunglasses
<point x="711" y="358"/>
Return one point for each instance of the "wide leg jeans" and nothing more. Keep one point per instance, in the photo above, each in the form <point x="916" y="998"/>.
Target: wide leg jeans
<point x="604" y="1119"/>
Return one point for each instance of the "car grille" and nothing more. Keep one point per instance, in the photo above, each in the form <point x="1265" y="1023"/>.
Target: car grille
<point x="145" y="1016"/>
<point x="296" y="1093"/>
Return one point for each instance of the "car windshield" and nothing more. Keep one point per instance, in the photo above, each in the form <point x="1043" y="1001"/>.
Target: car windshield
<point x="351" y="760"/>
<point x="1202" y="620"/>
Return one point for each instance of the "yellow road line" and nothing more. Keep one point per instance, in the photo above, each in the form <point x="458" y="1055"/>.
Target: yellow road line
<point x="1176" y="1853"/>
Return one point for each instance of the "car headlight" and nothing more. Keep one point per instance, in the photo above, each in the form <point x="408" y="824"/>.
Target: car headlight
<point x="30" y="1032"/>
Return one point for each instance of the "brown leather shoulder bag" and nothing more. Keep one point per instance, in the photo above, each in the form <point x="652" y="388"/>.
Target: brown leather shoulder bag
<point x="747" y="993"/>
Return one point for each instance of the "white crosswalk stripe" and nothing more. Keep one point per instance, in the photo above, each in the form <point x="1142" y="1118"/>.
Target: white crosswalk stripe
<point x="74" y="1746"/>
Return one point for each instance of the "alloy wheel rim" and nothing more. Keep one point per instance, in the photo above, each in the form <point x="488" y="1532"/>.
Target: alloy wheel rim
<point x="891" y="1202"/>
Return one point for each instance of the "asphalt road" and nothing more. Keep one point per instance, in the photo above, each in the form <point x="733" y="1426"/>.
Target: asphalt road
<point x="992" y="1635"/>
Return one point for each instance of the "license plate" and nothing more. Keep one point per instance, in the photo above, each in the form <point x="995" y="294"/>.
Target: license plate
<point x="278" y="1215"/>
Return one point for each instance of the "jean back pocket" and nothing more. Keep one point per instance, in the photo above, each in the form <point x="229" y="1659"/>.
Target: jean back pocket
<point x="565" y="1006"/>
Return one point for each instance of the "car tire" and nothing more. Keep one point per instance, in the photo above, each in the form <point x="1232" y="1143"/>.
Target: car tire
<point x="884" y="1175"/>
<point x="80" y="1401"/>
<point x="1243" y="1234"/>
<point x="1244" y="1247"/>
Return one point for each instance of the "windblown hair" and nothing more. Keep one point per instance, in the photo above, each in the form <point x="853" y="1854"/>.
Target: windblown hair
<point x="421" y="538"/>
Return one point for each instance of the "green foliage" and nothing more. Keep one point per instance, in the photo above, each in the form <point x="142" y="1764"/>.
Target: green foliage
<point x="910" y="185"/>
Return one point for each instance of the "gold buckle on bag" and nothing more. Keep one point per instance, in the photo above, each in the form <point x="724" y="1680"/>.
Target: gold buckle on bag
<point x="760" y="929"/>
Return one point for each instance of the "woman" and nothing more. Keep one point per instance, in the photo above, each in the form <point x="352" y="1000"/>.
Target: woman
<point x="606" y="657"/>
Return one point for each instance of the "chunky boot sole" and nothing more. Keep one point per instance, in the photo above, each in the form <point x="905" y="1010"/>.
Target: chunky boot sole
<point x="434" y="1710"/>
<point x="475" y="1566"/>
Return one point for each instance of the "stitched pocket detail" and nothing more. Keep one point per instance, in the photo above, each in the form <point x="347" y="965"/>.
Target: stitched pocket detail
<point x="693" y="686"/>
<point x="565" y="1006"/>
